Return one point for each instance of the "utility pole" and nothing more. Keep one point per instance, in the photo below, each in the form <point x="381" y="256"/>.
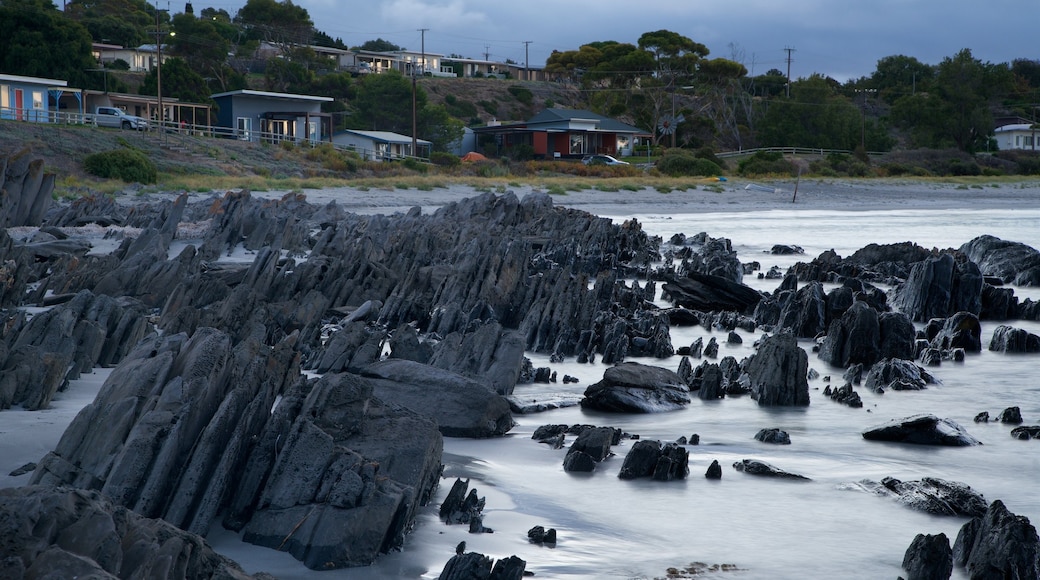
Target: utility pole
<point x="527" y="54"/>
<point x="158" y="70"/>
<point x="789" y="51"/>
<point x="415" y="122"/>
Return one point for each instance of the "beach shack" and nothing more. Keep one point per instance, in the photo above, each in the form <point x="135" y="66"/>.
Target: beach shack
<point x="35" y="99"/>
<point x="561" y="134"/>
<point x="250" y="115"/>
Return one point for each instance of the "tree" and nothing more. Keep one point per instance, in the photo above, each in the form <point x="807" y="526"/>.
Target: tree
<point x="438" y="127"/>
<point x="378" y="45"/>
<point x="178" y="81"/>
<point x="383" y="102"/>
<point x="200" y="44"/>
<point x="896" y="76"/>
<point x="676" y="55"/>
<point x="129" y="23"/>
<point x="37" y="40"/>
<point x="282" y="23"/>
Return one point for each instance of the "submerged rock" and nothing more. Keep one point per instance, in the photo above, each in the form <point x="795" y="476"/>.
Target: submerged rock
<point x="756" y="467"/>
<point x="922" y="430"/>
<point x="931" y="495"/>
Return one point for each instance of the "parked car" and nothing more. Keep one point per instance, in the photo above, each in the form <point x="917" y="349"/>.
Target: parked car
<point x="118" y="118"/>
<point x="602" y="160"/>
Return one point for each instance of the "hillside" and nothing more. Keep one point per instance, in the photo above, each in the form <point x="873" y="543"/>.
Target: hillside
<point x="496" y="99"/>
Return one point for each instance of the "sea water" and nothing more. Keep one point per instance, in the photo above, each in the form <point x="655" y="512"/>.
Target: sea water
<point x="758" y="527"/>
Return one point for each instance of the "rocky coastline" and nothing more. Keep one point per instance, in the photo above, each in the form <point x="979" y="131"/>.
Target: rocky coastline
<point x="288" y="369"/>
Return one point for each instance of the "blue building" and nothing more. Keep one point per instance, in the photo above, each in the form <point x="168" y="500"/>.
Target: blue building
<point x="35" y="99"/>
<point x="272" y="117"/>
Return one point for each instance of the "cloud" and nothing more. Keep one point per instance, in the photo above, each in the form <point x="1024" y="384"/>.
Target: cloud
<point x="451" y="15"/>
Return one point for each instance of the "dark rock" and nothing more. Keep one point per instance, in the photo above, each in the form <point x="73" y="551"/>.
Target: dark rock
<point x="982" y="417"/>
<point x="1026" y="432"/>
<point x="775" y="436"/>
<point x="579" y="462"/>
<point x="962" y="330"/>
<point x="897" y="375"/>
<point x="1008" y="339"/>
<point x="27" y="468"/>
<point x="704" y="292"/>
<point x="541" y="536"/>
<point x="922" y="430"/>
<point x="467" y="566"/>
<point x="594" y="442"/>
<point x="998" y="544"/>
<point x="26" y="188"/>
<point x="462" y="407"/>
<point x="56" y="532"/>
<point x="938" y="287"/>
<point x="998" y="303"/>
<point x="1010" y="416"/>
<point x="928" y="558"/>
<point x="853" y="339"/>
<point x="755" y="467"/>
<point x="712" y="382"/>
<point x="649" y="458"/>
<point x="637" y="388"/>
<point x="714" y="470"/>
<point x="734" y="338"/>
<point x="845" y="395"/>
<point x="490" y="354"/>
<point x="461" y="505"/>
<point x="778" y="372"/>
<point x="1012" y="262"/>
<point x="711" y="350"/>
<point x="897" y="335"/>
<point x="932" y="495"/>
<point x="785" y="250"/>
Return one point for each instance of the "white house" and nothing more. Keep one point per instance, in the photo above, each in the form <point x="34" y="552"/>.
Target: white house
<point x="380" y="145"/>
<point x="1018" y="136"/>
<point x="140" y="59"/>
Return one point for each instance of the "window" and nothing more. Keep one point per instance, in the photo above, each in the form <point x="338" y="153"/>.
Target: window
<point x="577" y="144"/>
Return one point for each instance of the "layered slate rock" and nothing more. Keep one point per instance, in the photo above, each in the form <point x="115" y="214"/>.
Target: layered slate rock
<point x="928" y="558"/>
<point x="25" y="189"/>
<point x="938" y="287"/>
<point x="761" y="468"/>
<point x="962" y="330"/>
<point x="590" y="447"/>
<point x="56" y="532"/>
<point x="998" y="544"/>
<point x="1012" y="262"/>
<point x="897" y="375"/>
<point x="43" y="354"/>
<point x="1009" y="339"/>
<point x="637" y="388"/>
<point x="461" y="406"/>
<point x="932" y="495"/>
<point x="778" y="372"/>
<point x="706" y="293"/>
<point x="922" y="429"/>
<point x="348" y="478"/>
<point x="649" y="458"/>
<point x="474" y="565"/>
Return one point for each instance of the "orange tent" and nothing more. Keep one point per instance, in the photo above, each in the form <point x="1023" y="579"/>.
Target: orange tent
<point x="473" y="156"/>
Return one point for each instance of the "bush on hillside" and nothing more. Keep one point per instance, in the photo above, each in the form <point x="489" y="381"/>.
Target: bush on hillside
<point x="445" y="159"/>
<point x="765" y="163"/>
<point x="680" y="163"/>
<point x="129" y="165"/>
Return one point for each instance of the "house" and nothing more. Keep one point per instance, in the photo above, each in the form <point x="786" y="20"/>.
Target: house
<point x="272" y="117"/>
<point x="37" y="99"/>
<point x="381" y="145"/>
<point x="1018" y="136"/>
<point x="563" y="134"/>
<point x="141" y="59"/>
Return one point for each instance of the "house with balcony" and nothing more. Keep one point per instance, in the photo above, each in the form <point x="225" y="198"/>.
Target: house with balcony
<point x="562" y="134"/>
<point x="270" y="117"/>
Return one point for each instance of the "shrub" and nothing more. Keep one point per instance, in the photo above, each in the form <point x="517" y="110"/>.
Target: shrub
<point x="521" y="152"/>
<point x="765" y="163"/>
<point x="709" y="154"/>
<point x="683" y="163"/>
<point x="445" y="159"/>
<point x="129" y="165"/>
<point x="415" y="165"/>
<point x="522" y="94"/>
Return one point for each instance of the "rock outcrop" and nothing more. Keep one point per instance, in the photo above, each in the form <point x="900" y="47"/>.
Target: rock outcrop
<point x="1012" y="262"/>
<point x="761" y="468"/>
<point x="25" y="189"/>
<point x="938" y="287"/>
<point x="637" y="388"/>
<point x="928" y="558"/>
<point x="931" y="495"/>
<point x="56" y="532"/>
<point x="998" y="544"/>
<point x="649" y="458"/>
<point x="1009" y="339"/>
<point x="922" y="430"/>
<point x="778" y="372"/>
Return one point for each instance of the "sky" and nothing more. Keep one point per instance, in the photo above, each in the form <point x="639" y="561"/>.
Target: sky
<point x="837" y="38"/>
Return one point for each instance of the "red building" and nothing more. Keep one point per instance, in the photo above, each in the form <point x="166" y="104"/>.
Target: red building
<point x="563" y="134"/>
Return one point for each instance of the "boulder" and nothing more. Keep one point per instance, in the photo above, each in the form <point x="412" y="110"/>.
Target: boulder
<point x="756" y="467"/>
<point x="57" y="532"/>
<point x="1026" y="432"/>
<point x="938" y="287"/>
<point x="637" y="388"/>
<point x="998" y="544"/>
<point x="932" y="495"/>
<point x="714" y="470"/>
<point x="928" y="558"/>
<point x="593" y="443"/>
<point x="541" y="536"/>
<point x="962" y="330"/>
<point x="774" y="436"/>
<point x="461" y="407"/>
<point x="1009" y="339"/>
<point x="922" y="430"/>
<point x="777" y="372"/>
<point x="855" y="338"/>
<point x="1011" y="262"/>
<point x="897" y="375"/>
<point x="648" y="458"/>
<point x="476" y="566"/>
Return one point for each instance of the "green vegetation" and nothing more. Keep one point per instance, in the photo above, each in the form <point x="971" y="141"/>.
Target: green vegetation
<point x="128" y="165"/>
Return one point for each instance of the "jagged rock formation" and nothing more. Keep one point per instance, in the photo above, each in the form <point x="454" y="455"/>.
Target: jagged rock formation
<point x="998" y="544"/>
<point x="940" y="286"/>
<point x="649" y="458"/>
<point x="25" y="189"/>
<point x="1012" y="262"/>
<point x="928" y="558"/>
<point x="1009" y="339"/>
<point x="897" y="375"/>
<point x="777" y="372"/>
<point x="55" y="532"/>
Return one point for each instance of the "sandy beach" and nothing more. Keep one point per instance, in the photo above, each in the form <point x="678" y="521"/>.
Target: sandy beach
<point x="728" y="196"/>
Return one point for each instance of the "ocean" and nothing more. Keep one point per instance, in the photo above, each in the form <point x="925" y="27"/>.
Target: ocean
<point x="740" y="527"/>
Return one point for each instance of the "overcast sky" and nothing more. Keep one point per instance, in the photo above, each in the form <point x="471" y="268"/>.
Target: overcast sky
<point x="839" y="38"/>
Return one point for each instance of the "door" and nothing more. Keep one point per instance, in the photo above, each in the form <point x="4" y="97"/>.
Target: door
<point x="19" y="105"/>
